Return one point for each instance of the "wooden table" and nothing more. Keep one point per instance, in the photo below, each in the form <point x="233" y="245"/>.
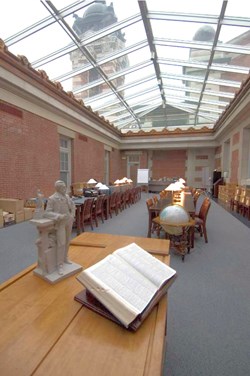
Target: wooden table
<point x="44" y="331"/>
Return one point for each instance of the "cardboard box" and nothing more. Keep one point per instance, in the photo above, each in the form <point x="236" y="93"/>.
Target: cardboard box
<point x="30" y="203"/>
<point x="8" y="218"/>
<point x="28" y="213"/>
<point x="19" y="216"/>
<point x="11" y="205"/>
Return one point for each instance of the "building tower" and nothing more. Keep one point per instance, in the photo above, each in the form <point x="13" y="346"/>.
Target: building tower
<point x="96" y="17"/>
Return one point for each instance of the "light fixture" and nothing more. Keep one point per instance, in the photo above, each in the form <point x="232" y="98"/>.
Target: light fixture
<point x="181" y="180"/>
<point x="173" y="187"/>
<point x="98" y="185"/>
<point x="91" y="181"/>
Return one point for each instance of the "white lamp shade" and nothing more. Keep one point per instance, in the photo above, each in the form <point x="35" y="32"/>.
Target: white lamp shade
<point x="91" y="181"/>
<point x="179" y="186"/>
<point x="171" y="187"/>
<point x="182" y="181"/>
<point x="98" y="185"/>
<point x="103" y="186"/>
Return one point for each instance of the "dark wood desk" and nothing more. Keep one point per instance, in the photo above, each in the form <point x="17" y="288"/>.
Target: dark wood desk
<point x="44" y="331"/>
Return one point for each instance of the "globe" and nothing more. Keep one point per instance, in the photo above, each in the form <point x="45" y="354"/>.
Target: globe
<point x="171" y="217"/>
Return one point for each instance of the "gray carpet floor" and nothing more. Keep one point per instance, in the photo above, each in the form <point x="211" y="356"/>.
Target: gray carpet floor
<point x="209" y="304"/>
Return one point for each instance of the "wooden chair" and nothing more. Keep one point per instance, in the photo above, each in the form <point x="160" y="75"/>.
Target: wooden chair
<point x="241" y="204"/>
<point x="155" y="199"/>
<point x="246" y="208"/>
<point x="152" y="226"/>
<point x="126" y="198"/>
<point x="118" y="201"/>
<point x="132" y="196"/>
<point x="163" y="194"/>
<point x="112" y="204"/>
<point x="201" y="218"/>
<point x="196" y="196"/>
<point x="87" y="213"/>
<point x="234" y="202"/>
<point x="98" y="210"/>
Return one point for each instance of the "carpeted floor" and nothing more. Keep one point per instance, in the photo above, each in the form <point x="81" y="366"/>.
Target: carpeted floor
<point x="209" y="303"/>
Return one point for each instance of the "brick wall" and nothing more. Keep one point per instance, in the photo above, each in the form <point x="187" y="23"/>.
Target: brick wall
<point x="29" y="154"/>
<point x="87" y="159"/>
<point x="30" y="157"/>
<point x="169" y="163"/>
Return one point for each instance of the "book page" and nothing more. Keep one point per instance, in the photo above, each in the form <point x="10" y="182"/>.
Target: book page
<point x="152" y="268"/>
<point x="120" y="287"/>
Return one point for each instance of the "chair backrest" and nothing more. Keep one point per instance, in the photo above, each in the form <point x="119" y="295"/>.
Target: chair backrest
<point x="155" y="199"/>
<point x="237" y="191"/>
<point x="196" y="196"/>
<point x="149" y="202"/>
<point x="162" y="194"/>
<point x="247" y="202"/>
<point x="242" y="199"/>
<point x="243" y="192"/>
<point x="87" y="208"/>
<point x="98" y="204"/>
<point x="113" y="199"/>
<point x="204" y="209"/>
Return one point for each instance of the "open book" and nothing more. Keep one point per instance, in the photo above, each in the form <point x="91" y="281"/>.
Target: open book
<point x="126" y="285"/>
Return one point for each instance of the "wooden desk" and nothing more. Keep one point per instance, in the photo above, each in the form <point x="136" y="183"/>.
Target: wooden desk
<point x="44" y="331"/>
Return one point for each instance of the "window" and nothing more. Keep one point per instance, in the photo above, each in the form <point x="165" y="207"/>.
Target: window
<point x="65" y="160"/>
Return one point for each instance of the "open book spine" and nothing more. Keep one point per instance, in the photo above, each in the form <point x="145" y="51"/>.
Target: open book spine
<point x="109" y="298"/>
<point x="86" y="298"/>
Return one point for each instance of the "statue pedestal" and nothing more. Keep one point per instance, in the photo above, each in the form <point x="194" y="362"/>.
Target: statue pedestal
<point x="54" y="277"/>
<point x="46" y="265"/>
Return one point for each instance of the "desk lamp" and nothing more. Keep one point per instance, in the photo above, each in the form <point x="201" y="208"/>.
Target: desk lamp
<point x="173" y="187"/>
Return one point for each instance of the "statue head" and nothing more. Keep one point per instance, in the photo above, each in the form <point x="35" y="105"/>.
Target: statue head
<point x="60" y="186"/>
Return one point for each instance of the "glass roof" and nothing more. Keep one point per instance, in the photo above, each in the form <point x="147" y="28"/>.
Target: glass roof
<point x="140" y="64"/>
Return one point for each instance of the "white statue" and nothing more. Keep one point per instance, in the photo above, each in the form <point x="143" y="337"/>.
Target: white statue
<point x="54" y="226"/>
<point x="61" y="209"/>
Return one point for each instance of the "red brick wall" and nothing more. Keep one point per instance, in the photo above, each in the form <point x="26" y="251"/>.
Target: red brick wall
<point x="169" y="163"/>
<point x="87" y="159"/>
<point x="29" y="154"/>
<point x="30" y="157"/>
<point x="236" y="138"/>
<point x="234" y="166"/>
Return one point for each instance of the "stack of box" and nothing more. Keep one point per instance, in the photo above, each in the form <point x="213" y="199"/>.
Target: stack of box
<point x="29" y="208"/>
<point x="226" y="192"/>
<point x="14" y="210"/>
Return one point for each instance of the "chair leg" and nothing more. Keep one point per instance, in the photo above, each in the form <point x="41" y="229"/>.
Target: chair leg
<point x="96" y="221"/>
<point x="205" y="234"/>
